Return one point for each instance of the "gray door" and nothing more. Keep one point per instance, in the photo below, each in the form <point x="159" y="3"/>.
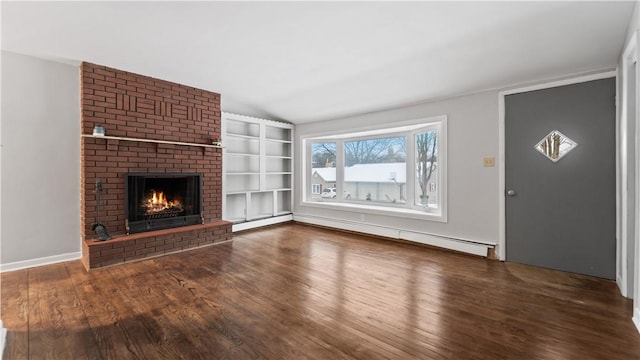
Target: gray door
<point x="561" y="214"/>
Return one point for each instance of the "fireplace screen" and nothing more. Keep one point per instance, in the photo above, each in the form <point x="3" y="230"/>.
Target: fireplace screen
<point x="161" y="201"/>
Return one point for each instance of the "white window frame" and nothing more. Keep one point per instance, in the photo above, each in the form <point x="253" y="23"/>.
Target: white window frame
<point x="316" y="192"/>
<point x="408" y="210"/>
<point x="441" y="185"/>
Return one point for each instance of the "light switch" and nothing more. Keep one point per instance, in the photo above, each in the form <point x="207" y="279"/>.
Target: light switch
<point x="489" y="162"/>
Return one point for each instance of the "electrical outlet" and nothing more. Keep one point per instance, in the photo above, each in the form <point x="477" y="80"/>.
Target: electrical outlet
<point x="489" y="162"/>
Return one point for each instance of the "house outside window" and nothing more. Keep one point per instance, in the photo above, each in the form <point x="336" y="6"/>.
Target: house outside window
<point x="375" y="169"/>
<point x="398" y="170"/>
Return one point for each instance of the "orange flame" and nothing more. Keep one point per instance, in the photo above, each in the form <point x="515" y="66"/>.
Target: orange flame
<point x="158" y="202"/>
<point x="158" y="198"/>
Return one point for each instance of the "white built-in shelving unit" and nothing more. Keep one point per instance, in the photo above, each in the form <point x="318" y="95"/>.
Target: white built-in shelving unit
<point x="257" y="171"/>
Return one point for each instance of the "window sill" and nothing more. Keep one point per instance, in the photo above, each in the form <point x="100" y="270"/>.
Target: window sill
<point x="378" y="210"/>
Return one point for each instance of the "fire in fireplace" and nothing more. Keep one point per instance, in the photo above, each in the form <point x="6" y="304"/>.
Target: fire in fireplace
<point x="161" y="201"/>
<point x="157" y="206"/>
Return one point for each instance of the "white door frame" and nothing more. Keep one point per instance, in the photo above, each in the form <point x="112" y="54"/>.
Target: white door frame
<point x="629" y="56"/>
<point x="501" y="141"/>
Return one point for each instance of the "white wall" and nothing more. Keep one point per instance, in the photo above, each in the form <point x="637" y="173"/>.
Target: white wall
<point x="634" y="23"/>
<point x="40" y="166"/>
<point x="473" y="189"/>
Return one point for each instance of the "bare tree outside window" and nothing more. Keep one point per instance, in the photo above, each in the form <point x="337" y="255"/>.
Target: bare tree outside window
<point x="323" y="154"/>
<point x="426" y="163"/>
<point x="379" y="150"/>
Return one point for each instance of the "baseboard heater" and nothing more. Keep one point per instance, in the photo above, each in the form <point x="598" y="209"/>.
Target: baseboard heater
<point x="465" y="246"/>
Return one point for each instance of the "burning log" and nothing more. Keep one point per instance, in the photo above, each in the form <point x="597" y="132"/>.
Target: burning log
<point x="157" y="206"/>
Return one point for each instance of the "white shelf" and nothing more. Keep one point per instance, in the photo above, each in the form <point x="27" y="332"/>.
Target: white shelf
<point x="283" y="202"/>
<point x="240" y="136"/>
<point x="151" y="141"/>
<point x="236" y="204"/>
<point x="243" y="192"/>
<point x="279" y="141"/>
<point x="242" y="154"/>
<point x="242" y="127"/>
<point x="257" y="170"/>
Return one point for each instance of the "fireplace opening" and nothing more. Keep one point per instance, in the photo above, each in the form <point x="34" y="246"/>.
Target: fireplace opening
<point x="162" y="201"/>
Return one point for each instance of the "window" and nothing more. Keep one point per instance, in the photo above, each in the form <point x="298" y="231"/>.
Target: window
<point x="374" y="169"/>
<point x="426" y="150"/>
<point x="323" y="162"/>
<point x="397" y="171"/>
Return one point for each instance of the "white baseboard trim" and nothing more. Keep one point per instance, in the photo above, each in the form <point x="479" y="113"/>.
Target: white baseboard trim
<point x="18" y="265"/>
<point x="262" y="222"/>
<point x="3" y="337"/>
<point x="636" y="317"/>
<point x="464" y="246"/>
<point x="621" y="286"/>
<point x="447" y="243"/>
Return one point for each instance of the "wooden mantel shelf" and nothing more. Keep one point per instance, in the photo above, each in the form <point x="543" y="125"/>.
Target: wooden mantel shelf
<point x="215" y="146"/>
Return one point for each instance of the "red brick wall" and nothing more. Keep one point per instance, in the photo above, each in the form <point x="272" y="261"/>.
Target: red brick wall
<point x="136" y="106"/>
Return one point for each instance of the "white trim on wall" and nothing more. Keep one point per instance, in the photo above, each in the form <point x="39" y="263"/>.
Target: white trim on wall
<point x="18" y="265"/>
<point x="262" y="222"/>
<point x="634" y="44"/>
<point x="461" y="245"/>
<point x="3" y="337"/>
<point x="501" y="251"/>
<point x="629" y="55"/>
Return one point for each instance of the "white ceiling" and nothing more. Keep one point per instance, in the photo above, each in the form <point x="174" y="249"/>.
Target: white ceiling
<point x="312" y="61"/>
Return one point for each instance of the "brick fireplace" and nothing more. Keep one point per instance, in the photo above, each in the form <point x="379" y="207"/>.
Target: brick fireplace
<point x="147" y="117"/>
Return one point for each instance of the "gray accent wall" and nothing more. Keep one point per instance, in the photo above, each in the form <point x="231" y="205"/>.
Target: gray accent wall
<point x="40" y="161"/>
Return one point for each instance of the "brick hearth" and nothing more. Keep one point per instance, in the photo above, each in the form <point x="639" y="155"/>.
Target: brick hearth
<point x="135" y="106"/>
<point x="126" y="248"/>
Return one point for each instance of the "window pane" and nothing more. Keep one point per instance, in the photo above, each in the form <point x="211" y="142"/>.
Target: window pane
<point x="375" y="170"/>
<point x="427" y="186"/>
<point x="323" y="171"/>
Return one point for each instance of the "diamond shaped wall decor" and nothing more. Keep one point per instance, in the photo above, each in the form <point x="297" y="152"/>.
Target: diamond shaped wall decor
<point x="555" y="145"/>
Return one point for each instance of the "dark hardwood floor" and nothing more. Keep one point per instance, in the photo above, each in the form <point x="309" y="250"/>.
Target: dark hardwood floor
<point x="299" y="292"/>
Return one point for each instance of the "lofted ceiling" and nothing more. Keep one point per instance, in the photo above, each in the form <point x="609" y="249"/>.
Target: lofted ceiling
<point x="312" y="61"/>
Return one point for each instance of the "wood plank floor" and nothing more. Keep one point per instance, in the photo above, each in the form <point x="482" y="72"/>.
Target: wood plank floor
<point x="299" y="292"/>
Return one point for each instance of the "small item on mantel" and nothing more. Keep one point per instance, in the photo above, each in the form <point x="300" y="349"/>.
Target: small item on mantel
<point x="215" y="141"/>
<point x="98" y="130"/>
